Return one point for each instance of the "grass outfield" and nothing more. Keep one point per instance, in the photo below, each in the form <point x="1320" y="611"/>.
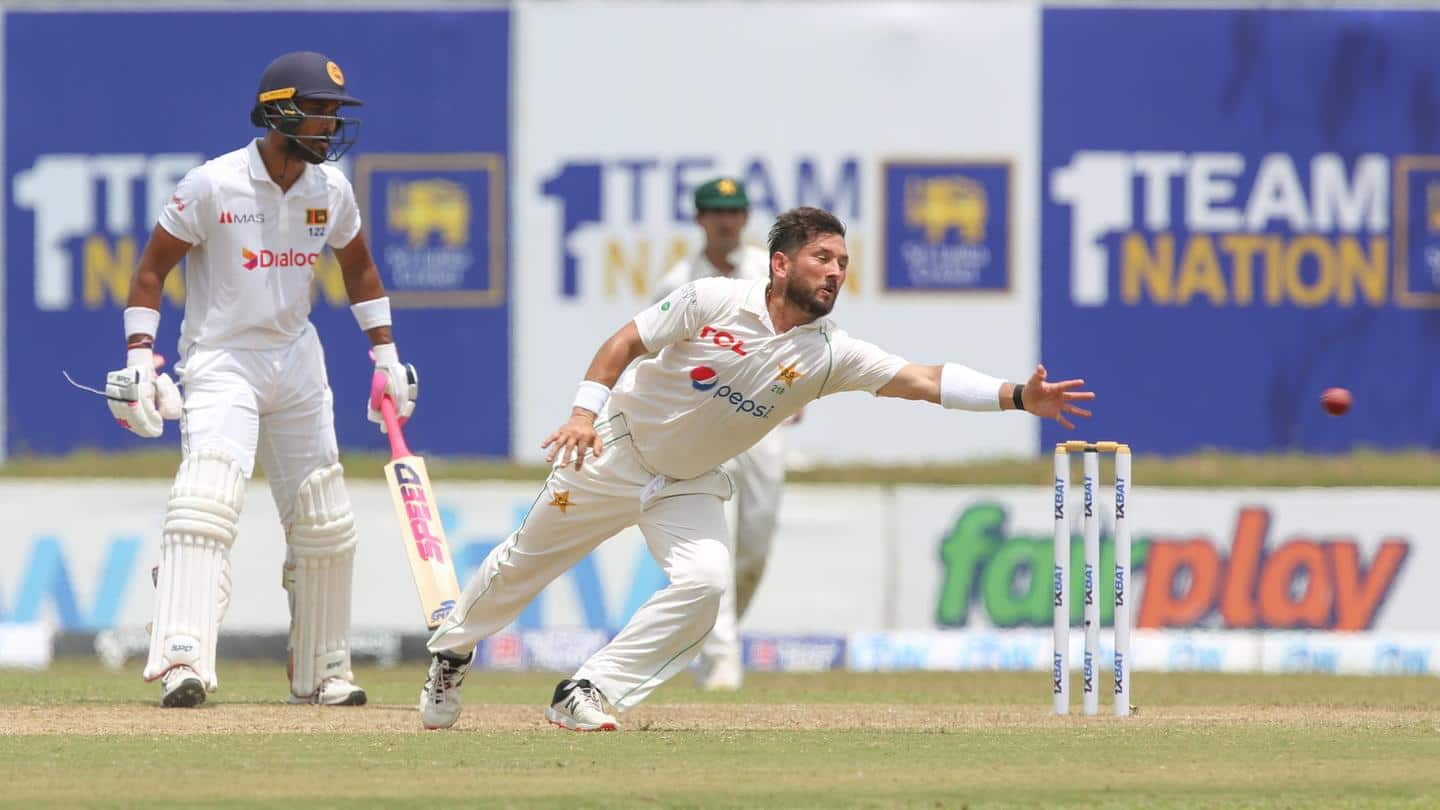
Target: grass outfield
<point x="83" y="735"/>
<point x="1362" y="468"/>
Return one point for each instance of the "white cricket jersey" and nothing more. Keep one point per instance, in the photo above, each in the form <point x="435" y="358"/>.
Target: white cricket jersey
<point x="248" y="274"/>
<point x="751" y="263"/>
<point x="720" y="377"/>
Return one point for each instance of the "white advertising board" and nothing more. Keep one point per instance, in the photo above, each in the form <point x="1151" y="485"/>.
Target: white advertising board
<point x="1296" y="559"/>
<point x="77" y="554"/>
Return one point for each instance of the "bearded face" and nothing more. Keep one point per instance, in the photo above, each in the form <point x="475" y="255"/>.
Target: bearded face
<point x="815" y="299"/>
<point x="815" y="275"/>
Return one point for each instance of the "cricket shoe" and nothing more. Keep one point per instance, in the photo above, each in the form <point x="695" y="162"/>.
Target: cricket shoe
<point x="440" y="696"/>
<point x="579" y="706"/>
<point x="181" y="688"/>
<point x="333" y="691"/>
<point x="721" y="675"/>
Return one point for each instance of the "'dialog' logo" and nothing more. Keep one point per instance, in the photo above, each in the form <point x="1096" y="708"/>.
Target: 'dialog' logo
<point x="436" y="222"/>
<point x="265" y="259"/>
<point x="947" y="225"/>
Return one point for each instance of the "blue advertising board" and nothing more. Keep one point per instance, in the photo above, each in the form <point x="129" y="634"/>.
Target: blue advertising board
<point x="95" y="143"/>
<point x="1241" y="208"/>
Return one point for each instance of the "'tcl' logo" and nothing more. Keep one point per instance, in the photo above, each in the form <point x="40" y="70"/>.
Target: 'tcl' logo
<point x="724" y="340"/>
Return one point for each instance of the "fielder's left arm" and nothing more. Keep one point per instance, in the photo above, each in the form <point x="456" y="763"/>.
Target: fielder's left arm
<point x="956" y="386"/>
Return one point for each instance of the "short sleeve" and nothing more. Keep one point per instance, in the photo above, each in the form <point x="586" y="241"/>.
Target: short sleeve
<point x="680" y="314"/>
<point x="344" y="213"/>
<point x="182" y="215"/>
<point x="859" y="366"/>
<point x="672" y="280"/>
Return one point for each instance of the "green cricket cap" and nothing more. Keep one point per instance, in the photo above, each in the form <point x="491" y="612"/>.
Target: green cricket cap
<point x="722" y="192"/>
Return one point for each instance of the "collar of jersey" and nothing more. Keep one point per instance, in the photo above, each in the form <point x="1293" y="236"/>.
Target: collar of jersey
<point x="257" y="167"/>
<point x="704" y="268"/>
<point x="754" y="304"/>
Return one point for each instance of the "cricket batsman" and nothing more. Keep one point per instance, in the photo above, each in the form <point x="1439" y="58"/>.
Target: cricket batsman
<point x="250" y="225"/>
<point x="722" y="209"/>
<point x="729" y="360"/>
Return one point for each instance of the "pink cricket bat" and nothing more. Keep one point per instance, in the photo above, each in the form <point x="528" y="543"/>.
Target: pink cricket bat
<point x="416" y="508"/>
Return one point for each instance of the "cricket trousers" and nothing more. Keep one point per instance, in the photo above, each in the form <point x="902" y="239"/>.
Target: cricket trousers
<point x="239" y="404"/>
<point x="272" y="403"/>
<point x="758" y="474"/>
<point x="683" y="522"/>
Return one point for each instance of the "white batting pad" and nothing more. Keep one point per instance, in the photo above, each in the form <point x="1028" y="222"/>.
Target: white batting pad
<point x="317" y="575"/>
<point x="193" y="586"/>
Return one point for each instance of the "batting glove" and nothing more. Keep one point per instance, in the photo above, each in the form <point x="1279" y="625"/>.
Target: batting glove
<point x="402" y="384"/>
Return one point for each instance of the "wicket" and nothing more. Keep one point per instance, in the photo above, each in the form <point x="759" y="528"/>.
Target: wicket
<point x="1060" y="673"/>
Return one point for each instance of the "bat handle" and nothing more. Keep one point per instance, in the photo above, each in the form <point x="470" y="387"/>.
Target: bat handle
<point x="381" y="402"/>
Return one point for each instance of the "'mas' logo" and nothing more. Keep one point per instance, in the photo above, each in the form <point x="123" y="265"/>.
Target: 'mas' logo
<point x="232" y="218"/>
<point x="703" y="378"/>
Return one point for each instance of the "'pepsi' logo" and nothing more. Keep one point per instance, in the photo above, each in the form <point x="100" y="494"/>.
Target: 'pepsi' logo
<point x="703" y="378"/>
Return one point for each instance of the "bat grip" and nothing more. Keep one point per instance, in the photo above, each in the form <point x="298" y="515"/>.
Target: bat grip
<point x="381" y="402"/>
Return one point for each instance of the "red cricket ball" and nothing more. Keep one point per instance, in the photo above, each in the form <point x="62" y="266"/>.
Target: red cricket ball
<point x="1335" y="401"/>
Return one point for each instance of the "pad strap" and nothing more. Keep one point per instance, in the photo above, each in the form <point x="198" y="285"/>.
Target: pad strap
<point x="318" y="575"/>
<point x="193" y="583"/>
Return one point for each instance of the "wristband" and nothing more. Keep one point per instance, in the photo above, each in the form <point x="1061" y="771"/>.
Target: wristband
<point x="591" y="396"/>
<point x="1015" y="398"/>
<point x="372" y="313"/>
<point x="966" y="389"/>
<point x="141" y="321"/>
<point x="385" y="354"/>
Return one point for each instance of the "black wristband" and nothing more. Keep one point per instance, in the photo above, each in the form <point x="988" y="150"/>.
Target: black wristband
<point x="1015" y="398"/>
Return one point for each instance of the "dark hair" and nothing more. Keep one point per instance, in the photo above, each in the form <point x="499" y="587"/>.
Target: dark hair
<point x="795" y="228"/>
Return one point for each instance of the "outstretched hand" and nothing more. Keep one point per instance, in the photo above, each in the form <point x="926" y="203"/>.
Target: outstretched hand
<point x="575" y="436"/>
<point x="1054" y="400"/>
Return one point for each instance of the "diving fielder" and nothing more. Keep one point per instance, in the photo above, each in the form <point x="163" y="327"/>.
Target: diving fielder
<point x="731" y="360"/>
<point x="250" y="225"/>
<point x="722" y="208"/>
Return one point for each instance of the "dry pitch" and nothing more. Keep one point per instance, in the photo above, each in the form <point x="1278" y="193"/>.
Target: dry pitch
<point x="80" y="735"/>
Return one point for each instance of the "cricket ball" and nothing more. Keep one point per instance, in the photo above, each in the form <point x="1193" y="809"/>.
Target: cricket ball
<point x="1335" y="401"/>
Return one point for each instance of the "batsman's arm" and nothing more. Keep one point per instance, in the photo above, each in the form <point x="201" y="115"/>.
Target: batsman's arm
<point x="363" y="284"/>
<point x="162" y="253"/>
